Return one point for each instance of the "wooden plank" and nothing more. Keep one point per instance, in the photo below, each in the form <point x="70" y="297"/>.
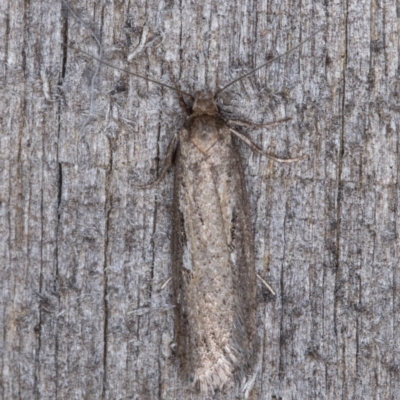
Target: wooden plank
<point x="84" y="254"/>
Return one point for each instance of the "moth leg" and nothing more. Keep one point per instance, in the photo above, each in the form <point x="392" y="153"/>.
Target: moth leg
<point x="167" y="164"/>
<point x="254" y="147"/>
<point x="265" y="284"/>
<point x="248" y="124"/>
<point x="163" y="286"/>
<point x="186" y="109"/>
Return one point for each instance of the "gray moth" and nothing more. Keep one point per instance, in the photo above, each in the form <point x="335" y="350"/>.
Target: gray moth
<point x="212" y="247"/>
<point x="213" y="269"/>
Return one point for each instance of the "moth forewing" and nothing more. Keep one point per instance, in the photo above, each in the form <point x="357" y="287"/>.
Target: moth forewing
<point x="212" y="253"/>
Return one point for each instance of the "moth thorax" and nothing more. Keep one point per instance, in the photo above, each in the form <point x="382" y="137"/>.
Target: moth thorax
<point x="204" y="104"/>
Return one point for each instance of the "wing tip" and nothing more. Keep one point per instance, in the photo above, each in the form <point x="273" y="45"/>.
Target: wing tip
<point x="215" y="376"/>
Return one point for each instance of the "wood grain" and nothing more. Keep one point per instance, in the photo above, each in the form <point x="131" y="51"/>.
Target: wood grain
<point x="84" y="254"/>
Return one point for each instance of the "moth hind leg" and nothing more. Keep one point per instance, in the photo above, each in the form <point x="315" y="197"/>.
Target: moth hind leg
<point x="239" y="122"/>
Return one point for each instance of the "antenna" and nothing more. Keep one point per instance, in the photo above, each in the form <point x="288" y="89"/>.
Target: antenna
<point x="267" y="63"/>
<point x="128" y="72"/>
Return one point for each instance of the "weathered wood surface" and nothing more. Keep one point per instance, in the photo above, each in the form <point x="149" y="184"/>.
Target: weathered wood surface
<point x="83" y="253"/>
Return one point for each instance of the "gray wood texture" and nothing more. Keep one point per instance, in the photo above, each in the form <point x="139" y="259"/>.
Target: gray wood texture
<point x="83" y="254"/>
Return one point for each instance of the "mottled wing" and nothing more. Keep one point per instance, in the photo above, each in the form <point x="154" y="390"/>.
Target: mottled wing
<point x="213" y="262"/>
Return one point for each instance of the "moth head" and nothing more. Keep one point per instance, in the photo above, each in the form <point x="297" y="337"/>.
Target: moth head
<point x="204" y="103"/>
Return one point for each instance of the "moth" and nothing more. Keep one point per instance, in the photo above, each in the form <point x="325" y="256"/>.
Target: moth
<point x="213" y="266"/>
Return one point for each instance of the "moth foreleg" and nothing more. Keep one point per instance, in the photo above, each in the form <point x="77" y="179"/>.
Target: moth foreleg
<point x="254" y="147"/>
<point x="167" y="164"/>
